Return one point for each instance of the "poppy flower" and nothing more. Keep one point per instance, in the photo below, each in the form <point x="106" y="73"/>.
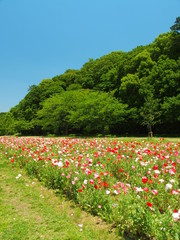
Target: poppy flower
<point x="117" y="191"/>
<point x="144" y="179"/>
<point x="175" y="216"/>
<point x="85" y="181"/>
<point x="67" y="163"/>
<point x="168" y="186"/>
<point x="155" y="192"/>
<point x="91" y="181"/>
<point x="105" y="184"/>
<point x="146" y="189"/>
<point x="149" y="204"/>
<point x="155" y="167"/>
<point x="174" y="192"/>
<point x="107" y="192"/>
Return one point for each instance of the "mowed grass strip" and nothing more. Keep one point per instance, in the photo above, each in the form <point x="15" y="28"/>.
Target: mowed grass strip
<point x="30" y="211"/>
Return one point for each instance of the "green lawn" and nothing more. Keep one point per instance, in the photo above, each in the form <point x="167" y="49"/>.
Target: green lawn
<point x="30" y="211"/>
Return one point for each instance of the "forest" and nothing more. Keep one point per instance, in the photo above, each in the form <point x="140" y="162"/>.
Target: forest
<point x="121" y="94"/>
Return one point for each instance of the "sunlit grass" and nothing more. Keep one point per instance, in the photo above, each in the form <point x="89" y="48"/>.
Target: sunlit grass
<point x="31" y="211"/>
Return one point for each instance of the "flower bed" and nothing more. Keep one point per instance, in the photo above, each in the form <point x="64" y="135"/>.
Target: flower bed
<point x="133" y="184"/>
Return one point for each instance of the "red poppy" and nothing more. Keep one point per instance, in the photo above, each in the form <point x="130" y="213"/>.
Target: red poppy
<point x="175" y="192"/>
<point x="67" y="163"/>
<point x="105" y="184"/>
<point x="146" y="189"/>
<point x="91" y="181"/>
<point x="144" y="179"/>
<point x="156" y="176"/>
<point x="149" y="204"/>
<point x="155" y="167"/>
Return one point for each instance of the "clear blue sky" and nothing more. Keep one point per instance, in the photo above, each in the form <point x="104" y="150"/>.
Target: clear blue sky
<point x="42" y="38"/>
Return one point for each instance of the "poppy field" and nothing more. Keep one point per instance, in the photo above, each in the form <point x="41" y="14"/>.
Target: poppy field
<point x="133" y="184"/>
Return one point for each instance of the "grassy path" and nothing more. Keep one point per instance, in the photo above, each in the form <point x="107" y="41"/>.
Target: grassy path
<point x="30" y="211"/>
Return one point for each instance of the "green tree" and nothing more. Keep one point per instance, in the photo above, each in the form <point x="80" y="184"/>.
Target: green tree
<point x="150" y="112"/>
<point x="55" y="113"/>
<point x="7" y="124"/>
<point x="98" y="113"/>
<point x="176" y="27"/>
<point x="129" y="90"/>
<point x="85" y="110"/>
<point x="2" y="123"/>
<point x="171" y="109"/>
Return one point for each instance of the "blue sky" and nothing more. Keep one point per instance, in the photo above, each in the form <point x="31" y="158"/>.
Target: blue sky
<point x="43" y="38"/>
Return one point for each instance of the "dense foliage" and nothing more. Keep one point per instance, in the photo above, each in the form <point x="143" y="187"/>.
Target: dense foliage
<point x="120" y="93"/>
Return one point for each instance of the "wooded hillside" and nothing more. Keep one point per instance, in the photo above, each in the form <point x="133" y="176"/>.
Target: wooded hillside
<point x="120" y="93"/>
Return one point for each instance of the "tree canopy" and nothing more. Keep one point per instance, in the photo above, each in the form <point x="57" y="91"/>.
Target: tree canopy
<point x="176" y="26"/>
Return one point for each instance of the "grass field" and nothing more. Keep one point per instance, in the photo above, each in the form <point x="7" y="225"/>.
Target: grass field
<point x="31" y="211"/>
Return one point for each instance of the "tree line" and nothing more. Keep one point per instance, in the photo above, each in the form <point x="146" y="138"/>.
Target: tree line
<point x="120" y="93"/>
